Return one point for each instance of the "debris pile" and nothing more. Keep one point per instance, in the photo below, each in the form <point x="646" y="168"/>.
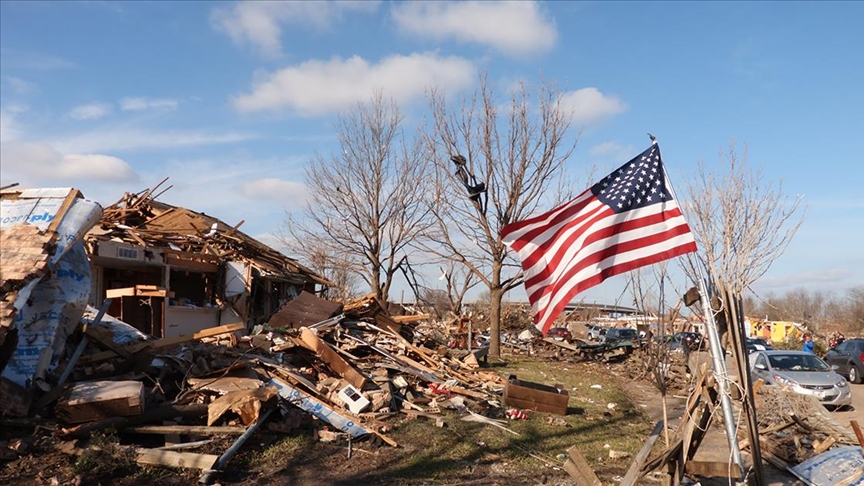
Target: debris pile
<point x="346" y="375"/>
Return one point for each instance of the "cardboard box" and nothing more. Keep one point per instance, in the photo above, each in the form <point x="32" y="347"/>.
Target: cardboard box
<point x="534" y="396"/>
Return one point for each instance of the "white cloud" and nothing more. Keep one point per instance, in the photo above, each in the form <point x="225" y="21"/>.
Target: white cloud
<point x="320" y="87"/>
<point x="91" y="111"/>
<point x="606" y="148"/>
<point x="273" y="189"/>
<point x="39" y="163"/>
<point x="111" y="140"/>
<point x="139" y="103"/>
<point x="9" y="127"/>
<point x="21" y="86"/>
<point x="260" y="23"/>
<point x="34" y="61"/>
<point x="589" y="105"/>
<point x="827" y="278"/>
<point x="514" y="28"/>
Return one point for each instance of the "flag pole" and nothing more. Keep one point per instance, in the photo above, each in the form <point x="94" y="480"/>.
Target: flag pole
<point x="718" y="358"/>
<point x="720" y="373"/>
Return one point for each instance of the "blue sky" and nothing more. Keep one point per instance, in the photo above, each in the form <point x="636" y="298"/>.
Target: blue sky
<point x="232" y="100"/>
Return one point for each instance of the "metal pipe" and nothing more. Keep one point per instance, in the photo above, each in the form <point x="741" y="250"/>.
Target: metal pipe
<point x="720" y="373"/>
<point x="208" y="475"/>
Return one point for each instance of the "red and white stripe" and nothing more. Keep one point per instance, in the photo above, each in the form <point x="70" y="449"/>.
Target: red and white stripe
<point x="583" y="242"/>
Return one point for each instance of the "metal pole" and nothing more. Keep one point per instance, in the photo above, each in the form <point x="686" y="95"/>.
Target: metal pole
<point x="720" y="374"/>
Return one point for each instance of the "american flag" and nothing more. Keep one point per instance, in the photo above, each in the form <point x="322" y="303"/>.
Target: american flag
<point x="627" y="220"/>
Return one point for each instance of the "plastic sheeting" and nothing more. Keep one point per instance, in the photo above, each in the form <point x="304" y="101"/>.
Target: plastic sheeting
<point x="48" y="310"/>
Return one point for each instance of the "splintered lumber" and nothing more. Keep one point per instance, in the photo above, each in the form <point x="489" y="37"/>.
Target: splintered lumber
<point x="633" y="473"/>
<point x="166" y="342"/>
<point x="415" y="318"/>
<point x="162" y="457"/>
<point x="577" y="467"/>
<point x="312" y="342"/>
<point x="820" y="447"/>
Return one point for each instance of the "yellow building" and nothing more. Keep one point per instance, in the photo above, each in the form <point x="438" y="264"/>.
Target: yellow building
<point x="775" y="331"/>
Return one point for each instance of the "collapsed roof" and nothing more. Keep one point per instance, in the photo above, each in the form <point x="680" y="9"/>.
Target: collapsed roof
<point x="139" y="219"/>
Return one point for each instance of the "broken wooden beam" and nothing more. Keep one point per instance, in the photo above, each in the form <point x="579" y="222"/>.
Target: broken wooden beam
<point x="577" y="467"/>
<point x="857" y="429"/>
<point x="633" y="474"/>
<point x="165" y="342"/>
<point x="162" y="457"/>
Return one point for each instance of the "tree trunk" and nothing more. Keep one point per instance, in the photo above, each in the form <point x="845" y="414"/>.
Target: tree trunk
<point x="495" y="297"/>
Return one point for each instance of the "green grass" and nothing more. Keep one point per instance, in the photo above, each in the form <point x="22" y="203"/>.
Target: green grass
<point x="469" y="452"/>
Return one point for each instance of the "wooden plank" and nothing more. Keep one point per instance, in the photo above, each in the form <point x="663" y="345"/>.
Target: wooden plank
<point x="61" y="212"/>
<point x="165" y="342"/>
<point x="95" y="400"/>
<point x="182" y="264"/>
<point x="758" y="385"/>
<point x="415" y="318"/>
<point x="858" y="433"/>
<point x="343" y="368"/>
<point x="633" y="473"/>
<point x="820" y="447"/>
<point x="191" y="460"/>
<point x="184" y="430"/>
<point x="712" y="469"/>
<point x="577" y="467"/>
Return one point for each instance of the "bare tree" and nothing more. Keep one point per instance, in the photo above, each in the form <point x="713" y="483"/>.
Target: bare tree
<point x="517" y="156"/>
<point x="365" y="203"/>
<point x="336" y="270"/>
<point x="742" y="223"/>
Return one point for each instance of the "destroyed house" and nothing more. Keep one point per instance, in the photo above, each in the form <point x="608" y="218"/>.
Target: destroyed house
<point x="172" y="271"/>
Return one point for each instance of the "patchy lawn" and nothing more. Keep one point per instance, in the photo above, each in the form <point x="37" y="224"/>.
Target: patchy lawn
<point x="461" y="452"/>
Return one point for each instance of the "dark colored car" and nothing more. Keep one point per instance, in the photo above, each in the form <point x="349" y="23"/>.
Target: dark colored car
<point x="848" y="356"/>
<point x="615" y="335"/>
<point x="693" y="340"/>
<point x="560" y="333"/>
<point x="758" y="344"/>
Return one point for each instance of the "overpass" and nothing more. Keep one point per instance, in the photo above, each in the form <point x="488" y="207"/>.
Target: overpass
<point x="604" y="309"/>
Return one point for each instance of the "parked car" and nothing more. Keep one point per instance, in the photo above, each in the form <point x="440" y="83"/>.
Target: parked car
<point x="560" y="333"/>
<point x="848" y="356"/>
<point x="691" y="339"/>
<point x="615" y="335"/>
<point x="757" y="344"/>
<point x="595" y="331"/>
<point x="803" y="372"/>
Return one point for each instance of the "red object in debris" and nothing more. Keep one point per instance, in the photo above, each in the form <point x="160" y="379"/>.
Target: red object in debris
<point x="439" y="389"/>
<point x="516" y="414"/>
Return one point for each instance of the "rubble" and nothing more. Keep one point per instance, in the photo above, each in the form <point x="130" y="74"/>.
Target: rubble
<point x="194" y="372"/>
<point x="348" y="374"/>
